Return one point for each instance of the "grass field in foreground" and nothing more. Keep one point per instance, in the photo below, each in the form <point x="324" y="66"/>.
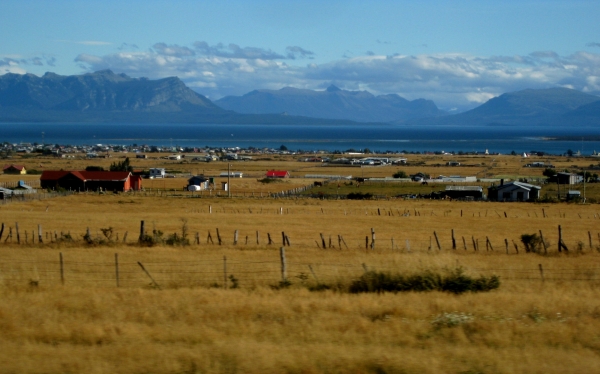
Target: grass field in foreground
<point x="192" y="325"/>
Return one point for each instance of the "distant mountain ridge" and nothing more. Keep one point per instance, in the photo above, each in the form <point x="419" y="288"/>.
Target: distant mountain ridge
<point x="360" y="106"/>
<point x="531" y="107"/>
<point x="105" y="96"/>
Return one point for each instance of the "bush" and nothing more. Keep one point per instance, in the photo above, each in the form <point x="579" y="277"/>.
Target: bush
<point x="453" y="281"/>
<point x="532" y="242"/>
<point x="359" y="196"/>
<point x="400" y="174"/>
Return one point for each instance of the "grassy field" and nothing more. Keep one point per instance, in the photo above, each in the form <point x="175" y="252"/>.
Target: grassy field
<point x="222" y="309"/>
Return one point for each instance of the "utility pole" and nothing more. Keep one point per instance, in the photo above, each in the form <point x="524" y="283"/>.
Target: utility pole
<point x="229" y="180"/>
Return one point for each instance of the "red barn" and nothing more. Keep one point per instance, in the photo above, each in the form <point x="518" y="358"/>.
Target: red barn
<point x="91" y="180"/>
<point x="278" y="174"/>
<point x="14" y="169"/>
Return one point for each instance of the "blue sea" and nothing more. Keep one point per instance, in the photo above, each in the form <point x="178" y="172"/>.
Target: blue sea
<point x="496" y="139"/>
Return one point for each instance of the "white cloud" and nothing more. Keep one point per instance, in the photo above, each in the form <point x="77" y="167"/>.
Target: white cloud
<point x="85" y="42"/>
<point x="452" y="80"/>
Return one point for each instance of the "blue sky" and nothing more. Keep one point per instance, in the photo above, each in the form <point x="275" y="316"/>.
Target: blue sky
<point x="457" y="53"/>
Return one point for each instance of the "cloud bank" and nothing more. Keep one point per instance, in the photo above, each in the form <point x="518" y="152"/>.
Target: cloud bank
<point x="456" y="80"/>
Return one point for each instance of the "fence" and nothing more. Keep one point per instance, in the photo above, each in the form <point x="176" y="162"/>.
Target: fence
<point x="232" y="273"/>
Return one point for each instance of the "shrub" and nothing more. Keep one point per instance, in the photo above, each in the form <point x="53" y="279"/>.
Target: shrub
<point x="532" y="242"/>
<point x="400" y="174"/>
<point x="359" y="196"/>
<point x="453" y="281"/>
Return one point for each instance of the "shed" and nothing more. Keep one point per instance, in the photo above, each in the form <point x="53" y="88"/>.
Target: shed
<point x="464" y="192"/>
<point x="14" y="169"/>
<point x="278" y="174"/>
<point x="573" y="195"/>
<point x="200" y="181"/>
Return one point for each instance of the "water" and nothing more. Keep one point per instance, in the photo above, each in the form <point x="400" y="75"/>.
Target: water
<point x="395" y="138"/>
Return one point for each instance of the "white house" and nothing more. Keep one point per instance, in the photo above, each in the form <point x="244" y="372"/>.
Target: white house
<point x="517" y="191"/>
<point x="157" y="173"/>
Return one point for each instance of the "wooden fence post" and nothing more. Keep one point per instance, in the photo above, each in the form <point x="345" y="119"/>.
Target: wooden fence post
<point x="323" y="241"/>
<point x="257" y="238"/>
<point x="224" y="272"/>
<point x="1" y="230"/>
<point x="590" y="239"/>
<point x="148" y="274"/>
<point x="453" y="240"/>
<point x="219" y="237"/>
<point x="141" y="231"/>
<point x="62" y="269"/>
<point x="372" y="238"/>
<point x="561" y="244"/>
<point x="235" y="237"/>
<point x="17" y="230"/>
<point x="437" y="241"/>
<point x="40" y="236"/>
<point x="541" y="272"/>
<point x="117" y="268"/>
<point x="283" y="264"/>
<point x="544" y="242"/>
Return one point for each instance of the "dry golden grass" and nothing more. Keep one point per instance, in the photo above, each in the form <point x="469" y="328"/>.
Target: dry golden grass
<point x="192" y="325"/>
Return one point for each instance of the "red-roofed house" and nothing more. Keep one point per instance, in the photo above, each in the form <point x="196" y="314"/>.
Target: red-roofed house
<point x="278" y="174"/>
<point x="14" y="169"/>
<point x="90" y="180"/>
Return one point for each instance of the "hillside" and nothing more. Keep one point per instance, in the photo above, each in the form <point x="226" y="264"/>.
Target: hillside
<point x="104" y="96"/>
<point x="334" y="102"/>
<point x="552" y="106"/>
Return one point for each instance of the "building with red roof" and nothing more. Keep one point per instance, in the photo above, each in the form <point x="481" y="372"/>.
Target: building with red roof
<point x="14" y="169"/>
<point x="278" y="174"/>
<point x="90" y="180"/>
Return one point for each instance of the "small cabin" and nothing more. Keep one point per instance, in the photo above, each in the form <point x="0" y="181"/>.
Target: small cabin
<point x="157" y="173"/>
<point x="15" y="169"/>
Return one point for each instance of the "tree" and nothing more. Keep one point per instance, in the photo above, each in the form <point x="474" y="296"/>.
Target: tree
<point x="400" y="174"/>
<point x="121" y="166"/>
<point x="283" y="148"/>
<point x="548" y="172"/>
<point x="570" y="152"/>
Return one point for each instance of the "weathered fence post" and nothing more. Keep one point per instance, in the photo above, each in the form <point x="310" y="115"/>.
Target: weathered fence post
<point x="283" y="238"/>
<point x="541" y="272"/>
<point x="590" y="239"/>
<point x="141" y="231"/>
<point x="224" y="272"/>
<point x="323" y="241"/>
<point x="17" y="230"/>
<point x="372" y="238"/>
<point x="148" y="274"/>
<point x="40" y="236"/>
<point x="235" y="237"/>
<point x="283" y="264"/>
<point x="506" y="244"/>
<point x="544" y="242"/>
<point x="125" y="237"/>
<point x="437" y="241"/>
<point x="453" y="240"/>
<point x="561" y="244"/>
<point x="62" y="269"/>
<point x="219" y="237"/>
<point x="117" y="268"/>
<point x="1" y="230"/>
<point x="257" y="238"/>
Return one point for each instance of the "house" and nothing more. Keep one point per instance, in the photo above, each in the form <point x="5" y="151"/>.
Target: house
<point x="157" y="173"/>
<point x="5" y="193"/>
<point x="200" y="181"/>
<point x="14" y="169"/>
<point x="90" y="180"/>
<point x="514" y="191"/>
<point x="233" y="174"/>
<point x="464" y="192"/>
<point x="568" y="178"/>
<point x="278" y="174"/>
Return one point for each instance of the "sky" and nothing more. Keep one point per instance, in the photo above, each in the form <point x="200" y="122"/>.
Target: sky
<point x="457" y="53"/>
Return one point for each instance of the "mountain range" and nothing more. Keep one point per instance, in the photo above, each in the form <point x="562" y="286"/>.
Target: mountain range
<point x="104" y="96"/>
<point x="333" y="103"/>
